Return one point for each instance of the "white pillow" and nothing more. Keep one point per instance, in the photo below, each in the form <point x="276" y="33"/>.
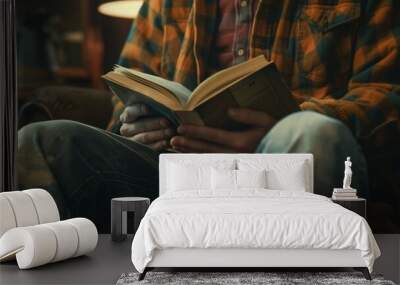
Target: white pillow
<point x="291" y="175"/>
<point x="181" y="178"/>
<point x="193" y="174"/>
<point x="223" y="179"/>
<point x="251" y="178"/>
<point x="226" y="179"/>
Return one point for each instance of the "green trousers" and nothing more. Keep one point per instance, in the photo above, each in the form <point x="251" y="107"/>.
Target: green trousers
<point x="84" y="167"/>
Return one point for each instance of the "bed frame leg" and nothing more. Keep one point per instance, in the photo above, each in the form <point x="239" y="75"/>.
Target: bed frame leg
<point x="364" y="271"/>
<point x="143" y="274"/>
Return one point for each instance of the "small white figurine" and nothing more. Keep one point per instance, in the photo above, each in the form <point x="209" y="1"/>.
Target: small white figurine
<point x="347" y="174"/>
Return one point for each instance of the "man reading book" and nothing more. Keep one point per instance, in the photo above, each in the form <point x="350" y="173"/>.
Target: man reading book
<point x="340" y="59"/>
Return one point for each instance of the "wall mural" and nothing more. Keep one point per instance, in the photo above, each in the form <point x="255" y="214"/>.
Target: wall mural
<point x="332" y="90"/>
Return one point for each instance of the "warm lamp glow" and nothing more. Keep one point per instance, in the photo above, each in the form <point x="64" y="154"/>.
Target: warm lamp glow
<point x="127" y="9"/>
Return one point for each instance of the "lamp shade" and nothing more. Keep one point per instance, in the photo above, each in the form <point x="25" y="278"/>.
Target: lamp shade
<point x="127" y="9"/>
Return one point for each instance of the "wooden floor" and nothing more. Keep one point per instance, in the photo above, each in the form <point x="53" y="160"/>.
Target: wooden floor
<point x="110" y="260"/>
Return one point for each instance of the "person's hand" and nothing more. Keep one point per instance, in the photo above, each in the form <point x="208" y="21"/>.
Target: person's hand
<point x="154" y="132"/>
<point x="192" y="138"/>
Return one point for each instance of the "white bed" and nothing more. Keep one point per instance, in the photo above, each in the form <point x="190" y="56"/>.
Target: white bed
<point x="249" y="227"/>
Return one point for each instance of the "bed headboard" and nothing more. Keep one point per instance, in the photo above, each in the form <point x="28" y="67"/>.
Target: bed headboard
<point x="307" y="157"/>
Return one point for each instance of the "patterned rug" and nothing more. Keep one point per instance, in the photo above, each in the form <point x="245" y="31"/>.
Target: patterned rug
<point x="244" y="278"/>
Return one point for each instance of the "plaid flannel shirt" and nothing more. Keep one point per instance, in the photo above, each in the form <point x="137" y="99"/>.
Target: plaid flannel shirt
<point x="232" y="32"/>
<point x="339" y="57"/>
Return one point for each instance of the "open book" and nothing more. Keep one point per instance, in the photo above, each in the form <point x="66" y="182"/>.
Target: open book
<point x="254" y="84"/>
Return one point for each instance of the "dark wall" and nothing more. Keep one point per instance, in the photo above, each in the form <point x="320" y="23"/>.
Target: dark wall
<point x="115" y="32"/>
<point x="8" y="100"/>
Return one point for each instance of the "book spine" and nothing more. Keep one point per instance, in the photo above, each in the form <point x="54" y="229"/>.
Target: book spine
<point x="352" y="198"/>
<point x="345" y="191"/>
<point x="345" y="194"/>
<point x="344" y="198"/>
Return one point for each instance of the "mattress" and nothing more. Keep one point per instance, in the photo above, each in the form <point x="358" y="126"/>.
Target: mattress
<point x="251" y="219"/>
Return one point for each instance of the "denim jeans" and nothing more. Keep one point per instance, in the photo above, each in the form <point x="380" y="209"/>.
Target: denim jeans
<point x="84" y="167"/>
<point x="330" y="142"/>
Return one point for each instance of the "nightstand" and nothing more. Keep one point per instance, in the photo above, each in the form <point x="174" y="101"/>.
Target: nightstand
<point x="119" y="208"/>
<point x="357" y="205"/>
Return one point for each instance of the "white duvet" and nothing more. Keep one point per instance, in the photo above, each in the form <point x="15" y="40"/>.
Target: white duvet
<point x="250" y="219"/>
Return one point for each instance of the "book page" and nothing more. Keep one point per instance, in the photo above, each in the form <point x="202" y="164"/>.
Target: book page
<point x="156" y="93"/>
<point x="263" y="90"/>
<point x="180" y="92"/>
<point x="223" y="79"/>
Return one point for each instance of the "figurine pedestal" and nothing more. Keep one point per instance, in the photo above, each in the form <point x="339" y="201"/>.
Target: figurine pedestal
<point x="344" y="194"/>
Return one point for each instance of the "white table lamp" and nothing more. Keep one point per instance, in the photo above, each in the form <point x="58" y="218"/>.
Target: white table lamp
<point x="126" y="9"/>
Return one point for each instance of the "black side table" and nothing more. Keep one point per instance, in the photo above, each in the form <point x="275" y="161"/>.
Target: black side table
<point x="357" y="205"/>
<point x="119" y="209"/>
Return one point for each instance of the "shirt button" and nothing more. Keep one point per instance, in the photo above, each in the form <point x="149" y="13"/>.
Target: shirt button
<point x="240" y="52"/>
<point x="243" y="3"/>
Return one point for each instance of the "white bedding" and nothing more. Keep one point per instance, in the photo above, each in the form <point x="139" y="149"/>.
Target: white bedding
<point x="250" y="219"/>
